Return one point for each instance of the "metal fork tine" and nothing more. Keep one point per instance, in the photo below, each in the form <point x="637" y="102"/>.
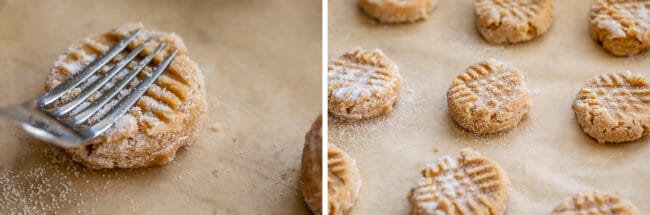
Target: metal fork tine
<point x="125" y="104"/>
<point x="96" y="85"/>
<point x="78" y="119"/>
<point x="84" y="74"/>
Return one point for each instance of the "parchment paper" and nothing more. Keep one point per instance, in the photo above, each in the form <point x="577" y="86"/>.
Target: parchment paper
<point x="261" y="62"/>
<point x="547" y="157"/>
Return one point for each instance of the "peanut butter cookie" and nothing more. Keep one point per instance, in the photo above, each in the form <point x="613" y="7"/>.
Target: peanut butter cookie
<point x="622" y="27"/>
<point x="343" y="181"/>
<point x="362" y="84"/>
<point x="166" y="118"/>
<point x="614" y="107"/>
<point x="513" y="21"/>
<point x="489" y="97"/>
<point x="469" y="184"/>
<point x="311" y="169"/>
<point x="396" y="11"/>
<point x="595" y="203"/>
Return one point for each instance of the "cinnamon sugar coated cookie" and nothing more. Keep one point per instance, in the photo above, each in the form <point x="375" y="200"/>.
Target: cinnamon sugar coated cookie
<point x="614" y="107"/>
<point x="595" y="203"/>
<point x="343" y="181"/>
<point x="395" y="11"/>
<point x="166" y="118"/>
<point x="468" y="184"/>
<point x="622" y="27"/>
<point x="311" y="168"/>
<point x="362" y="84"/>
<point x="513" y="21"/>
<point x="489" y="97"/>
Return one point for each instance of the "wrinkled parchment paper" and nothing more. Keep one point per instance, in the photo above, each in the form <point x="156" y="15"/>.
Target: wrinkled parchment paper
<point x="547" y="157"/>
<point x="261" y="61"/>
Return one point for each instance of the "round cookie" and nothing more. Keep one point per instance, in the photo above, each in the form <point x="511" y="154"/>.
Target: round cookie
<point x="513" y="21"/>
<point x="469" y="184"/>
<point x="622" y="27"/>
<point x="362" y="84"/>
<point x="489" y="97"/>
<point x="396" y="11"/>
<point x="343" y="181"/>
<point x="311" y="167"/>
<point x="596" y="204"/>
<point x="614" y="107"/>
<point x="166" y="118"/>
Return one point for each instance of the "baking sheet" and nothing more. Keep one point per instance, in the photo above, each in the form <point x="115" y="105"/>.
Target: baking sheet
<point x="261" y="62"/>
<point x="547" y="157"/>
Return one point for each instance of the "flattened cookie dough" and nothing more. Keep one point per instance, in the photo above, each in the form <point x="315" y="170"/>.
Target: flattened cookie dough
<point x="396" y="11"/>
<point x="512" y="21"/>
<point x="362" y="84"/>
<point x="343" y="181"/>
<point x="595" y="203"/>
<point x="311" y="169"/>
<point x="614" y="107"/>
<point x="166" y="118"/>
<point x="469" y="184"/>
<point x="489" y="97"/>
<point x="622" y="27"/>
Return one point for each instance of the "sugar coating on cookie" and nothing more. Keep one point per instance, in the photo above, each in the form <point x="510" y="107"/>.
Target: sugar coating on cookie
<point x="512" y="21"/>
<point x="489" y="97"/>
<point x="311" y="167"/>
<point x="595" y="203"/>
<point x="398" y="11"/>
<point x="614" y="107"/>
<point x="468" y="184"/>
<point x="343" y="180"/>
<point x="362" y="84"/>
<point x="622" y="27"/>
<point x="164" y="119"/>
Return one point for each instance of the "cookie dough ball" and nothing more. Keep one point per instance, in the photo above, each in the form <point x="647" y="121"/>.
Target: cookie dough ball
<point x="595" y="203"/>
<point x="614" y="107"/>
<point x="362" y="84"/>
<point x="489" y="97"/>
<point x="622" y="27"/>
<point x="166" y="118"/>
<point x="343" y="181"/>
<point x="468" y="184"/>
<point x="512" y="21"/>
<point x="311" y="169"/>
<point x="398" y="11"/>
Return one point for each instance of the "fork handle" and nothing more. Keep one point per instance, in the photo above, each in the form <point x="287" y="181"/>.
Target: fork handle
<point x="40" y="125"/>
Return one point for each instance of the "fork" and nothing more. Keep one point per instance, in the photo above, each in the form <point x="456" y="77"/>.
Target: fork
<point x="57" y="124"/>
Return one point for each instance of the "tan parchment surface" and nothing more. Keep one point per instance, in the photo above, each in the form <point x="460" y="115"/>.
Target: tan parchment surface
<point x="261" y="62"/>
<point x="547" y="157"/>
